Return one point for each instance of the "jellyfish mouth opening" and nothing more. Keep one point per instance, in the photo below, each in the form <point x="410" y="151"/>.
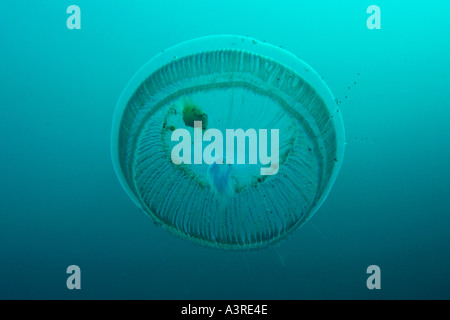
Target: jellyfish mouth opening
<point x="226" y="109"/>
<point x="219" y="177"/>
<point x="221" y="204"/>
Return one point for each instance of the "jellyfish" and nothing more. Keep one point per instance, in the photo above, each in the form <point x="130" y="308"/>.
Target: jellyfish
<point x="202" y="88"/>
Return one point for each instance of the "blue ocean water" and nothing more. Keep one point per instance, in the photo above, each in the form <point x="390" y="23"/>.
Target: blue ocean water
<point x="61" y="203"/>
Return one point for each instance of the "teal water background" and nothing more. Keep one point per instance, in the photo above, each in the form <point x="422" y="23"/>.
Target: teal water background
<point x="61" y="203"/>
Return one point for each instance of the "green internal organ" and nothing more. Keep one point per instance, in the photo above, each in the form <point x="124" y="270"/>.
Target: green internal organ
<point x="191" y="113"/>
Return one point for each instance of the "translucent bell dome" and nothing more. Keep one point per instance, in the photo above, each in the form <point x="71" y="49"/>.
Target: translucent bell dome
<point x="227" y="82"/>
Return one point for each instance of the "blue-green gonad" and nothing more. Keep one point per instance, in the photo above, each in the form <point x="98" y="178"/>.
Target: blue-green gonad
<point x="227" y="82"/>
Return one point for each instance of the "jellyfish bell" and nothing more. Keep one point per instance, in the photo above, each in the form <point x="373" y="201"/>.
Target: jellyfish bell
<point x="228" y="82"/>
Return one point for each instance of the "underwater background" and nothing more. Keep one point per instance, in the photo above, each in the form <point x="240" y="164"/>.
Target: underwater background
<point x="61" y="203"/>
